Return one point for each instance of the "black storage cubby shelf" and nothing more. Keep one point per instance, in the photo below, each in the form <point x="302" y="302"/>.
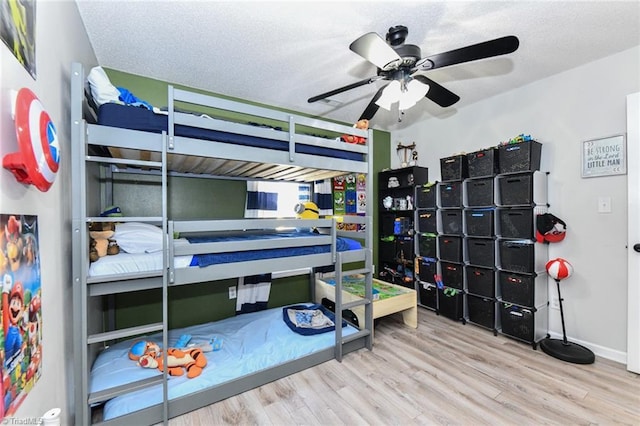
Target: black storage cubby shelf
<point x="500" y="254"/>
<point x="483" y="163"/>
<point x="451" y="303"/>
<point x="480" y="281"/>
<point x="450" y="195"/>
<point x="481" y="311"/>
<point x="450" y="221"/>
<point x="397" y="223"/>
<point x="521" y="189"/>
<point x="478" y="193"/>
<point x="519" y="157"/>
<point x="427" y="244"/>
<point x="523" y="256"/>
<point x="427" y="295"/>
<point x="529" y="325"/>
<point x="454" y="168"/>
<point x="527" y="290"/>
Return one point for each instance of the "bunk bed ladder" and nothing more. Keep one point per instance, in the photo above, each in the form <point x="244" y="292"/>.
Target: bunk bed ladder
<point x="88" y="291"/>
<point x="366" y="301"/>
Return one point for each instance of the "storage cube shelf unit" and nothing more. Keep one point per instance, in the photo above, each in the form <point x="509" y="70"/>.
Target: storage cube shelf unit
<point x="397" y="223"/>
<point x="495" y="261"/>
<point x="426" y="264"/>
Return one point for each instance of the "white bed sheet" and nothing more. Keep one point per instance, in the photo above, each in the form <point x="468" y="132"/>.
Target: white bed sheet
<point x="123" y="263"/>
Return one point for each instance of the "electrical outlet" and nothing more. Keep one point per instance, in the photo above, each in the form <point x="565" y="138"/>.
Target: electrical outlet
<point x="232" y="292"/>
<point x="555" y="303"/>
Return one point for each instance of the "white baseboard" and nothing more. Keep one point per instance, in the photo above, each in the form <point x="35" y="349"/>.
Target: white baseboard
<point x="601" y="351"/>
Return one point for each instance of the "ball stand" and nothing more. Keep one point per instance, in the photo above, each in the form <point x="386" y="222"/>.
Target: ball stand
<point x="563" y="349"/>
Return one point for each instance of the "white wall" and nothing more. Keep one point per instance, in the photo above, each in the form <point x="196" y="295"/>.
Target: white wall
<point x="60" y="39"/>
<point x="561" y="111"/>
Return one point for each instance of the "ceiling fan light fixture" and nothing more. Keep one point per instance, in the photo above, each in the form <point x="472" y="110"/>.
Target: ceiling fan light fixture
<point x="390" y="95"/>
<point x="415" y="90"/>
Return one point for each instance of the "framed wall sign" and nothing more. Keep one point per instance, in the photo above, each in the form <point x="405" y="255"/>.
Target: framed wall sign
<point x="604" y="157"/>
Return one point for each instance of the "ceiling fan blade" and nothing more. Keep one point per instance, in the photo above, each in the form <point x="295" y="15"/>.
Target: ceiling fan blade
<point x="487" y="49"/>
<point x="372" y="108"/>
<point x="343" y="89"/>
<point x="438" y="94"/>
<point x="375" y="50"/>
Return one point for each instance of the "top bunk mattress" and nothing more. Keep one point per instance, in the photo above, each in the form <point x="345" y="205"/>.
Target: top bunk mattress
<point x="143" y="119"/>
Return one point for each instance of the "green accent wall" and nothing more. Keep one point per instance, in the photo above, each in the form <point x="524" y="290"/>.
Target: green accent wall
<point x="199" y="198"/>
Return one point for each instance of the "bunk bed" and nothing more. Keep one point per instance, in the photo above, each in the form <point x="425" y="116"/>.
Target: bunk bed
<point x="204" y="135"/>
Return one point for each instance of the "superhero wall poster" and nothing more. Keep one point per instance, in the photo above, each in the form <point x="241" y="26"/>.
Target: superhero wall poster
<point x="21" y="337"/>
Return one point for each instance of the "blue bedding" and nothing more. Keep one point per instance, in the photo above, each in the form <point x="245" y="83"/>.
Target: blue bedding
<point x="135" y="118"/>
<point x="202" y="260"/>
<point x="250" y="343"/>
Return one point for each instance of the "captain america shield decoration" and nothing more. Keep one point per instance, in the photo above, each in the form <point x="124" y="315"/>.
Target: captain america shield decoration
<point x="38" y="158"/>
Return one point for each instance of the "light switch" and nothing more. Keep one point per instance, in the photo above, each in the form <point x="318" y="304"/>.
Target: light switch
<point x="604" y="205"/>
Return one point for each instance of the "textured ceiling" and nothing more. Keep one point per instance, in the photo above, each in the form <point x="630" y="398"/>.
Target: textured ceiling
<point x="282" y="53"/>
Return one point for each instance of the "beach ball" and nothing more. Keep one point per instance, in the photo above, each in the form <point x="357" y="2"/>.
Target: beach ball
<point x="559" y="269"/>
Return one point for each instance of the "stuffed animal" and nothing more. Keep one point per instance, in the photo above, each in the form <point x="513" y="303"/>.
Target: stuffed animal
<point x="307" y="210"/>
<point x="101" y="243"/>
<point x="142" y="348"/>
<point x="361" y="124"/>
<point x="191" y="360"/>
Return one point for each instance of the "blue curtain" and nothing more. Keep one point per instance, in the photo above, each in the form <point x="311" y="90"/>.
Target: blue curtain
<point x="323" y="196"/>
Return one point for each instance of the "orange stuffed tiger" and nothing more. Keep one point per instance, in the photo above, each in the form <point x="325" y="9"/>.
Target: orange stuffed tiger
<point x="178" y="360"/>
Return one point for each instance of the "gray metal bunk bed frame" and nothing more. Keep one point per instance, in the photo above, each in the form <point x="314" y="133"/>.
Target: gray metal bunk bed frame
<point x="90" y="194"/>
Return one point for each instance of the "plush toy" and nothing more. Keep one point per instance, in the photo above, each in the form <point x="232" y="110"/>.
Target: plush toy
<point x="149" y="355"/>
<point x="142" y="348"/>
<point x="361" y="124"/>
<point x="101" y="243"/>
<point x="178" y="360"/>
<point x="307" y="210"/>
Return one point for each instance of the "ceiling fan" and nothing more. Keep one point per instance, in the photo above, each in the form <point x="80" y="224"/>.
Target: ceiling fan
<point x="399" y="63"/>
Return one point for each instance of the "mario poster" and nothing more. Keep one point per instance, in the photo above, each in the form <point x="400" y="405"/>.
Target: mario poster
<point x="20" y="341"/>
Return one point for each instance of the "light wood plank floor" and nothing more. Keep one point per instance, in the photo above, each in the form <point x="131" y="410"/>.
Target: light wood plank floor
<point x="442" y="373"/>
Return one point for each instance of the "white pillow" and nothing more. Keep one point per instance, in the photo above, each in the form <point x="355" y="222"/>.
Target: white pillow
<point x="101" y="88"/>
<point x="138" y="237"/>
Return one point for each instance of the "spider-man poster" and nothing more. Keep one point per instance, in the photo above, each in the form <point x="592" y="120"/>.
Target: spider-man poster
<point x="20" y="341"/>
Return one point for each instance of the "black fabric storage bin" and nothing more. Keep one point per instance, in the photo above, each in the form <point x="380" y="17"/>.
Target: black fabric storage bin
<point x="481" y="251"/>
<point x="426" y="197"/>
<point x="450" y="303"/>
<point x="452" y="275"/>
<point x="386" y="250"/>
<point x="516" y="223"/>
<point x="481" y="311"/>
<point x="404" y="247"/>
<point x="427" y="221"/>
<point x="480" y="281"/>
<point x="517" y="321"/>
<point x="451" y="221"/>
<point x="450" y="248"/>
<point x="519" y="157"/>
<point x="451" y="194"/>
<point x="483" y="163"/>
<point x="516" y="190"/>
<point x="428" y="269"/>
<point x="427" y="245"/>
<point x="518" y="289"/>
<point x="479" y="192"/>
<point x="428" y="296"/>
<point x="386" y="225"/>
<point x="454" y="168"/>
<point x="479" y="223"/>
<point x="517" y="255"/>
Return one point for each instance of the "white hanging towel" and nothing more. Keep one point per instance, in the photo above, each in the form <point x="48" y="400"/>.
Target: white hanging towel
<point x="253" y="293"/>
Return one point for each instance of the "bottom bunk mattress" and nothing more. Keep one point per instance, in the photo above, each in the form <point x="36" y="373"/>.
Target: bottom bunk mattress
<point x="248" y="343"/>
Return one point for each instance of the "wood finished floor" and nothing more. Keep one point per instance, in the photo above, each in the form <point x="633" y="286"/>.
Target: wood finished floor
<point x="443" y="373"/>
